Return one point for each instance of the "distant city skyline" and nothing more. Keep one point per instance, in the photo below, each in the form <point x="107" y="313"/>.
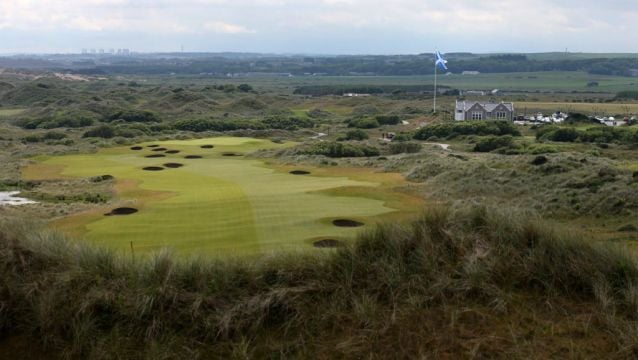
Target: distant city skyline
<point x="328" y="27"/>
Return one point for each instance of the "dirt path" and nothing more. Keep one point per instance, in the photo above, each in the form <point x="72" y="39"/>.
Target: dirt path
<point x="443" y="146"/>
<point x="318" y="136"/>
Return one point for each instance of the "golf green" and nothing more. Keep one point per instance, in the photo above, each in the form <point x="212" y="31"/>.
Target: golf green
<point x="213" y="202"/>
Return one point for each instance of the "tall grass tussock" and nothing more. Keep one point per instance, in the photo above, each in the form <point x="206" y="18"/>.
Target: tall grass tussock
<point x="463" y="283"/>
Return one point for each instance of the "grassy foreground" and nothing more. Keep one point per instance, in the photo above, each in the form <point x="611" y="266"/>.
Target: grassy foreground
<point x="474" y="283"/>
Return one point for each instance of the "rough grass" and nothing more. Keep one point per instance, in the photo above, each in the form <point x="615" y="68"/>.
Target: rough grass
<point x="568" y="185"/>
<point x="479" y="282"/>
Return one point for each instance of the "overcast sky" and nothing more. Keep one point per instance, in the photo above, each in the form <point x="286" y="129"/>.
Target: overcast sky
<point x="319" y="26"/>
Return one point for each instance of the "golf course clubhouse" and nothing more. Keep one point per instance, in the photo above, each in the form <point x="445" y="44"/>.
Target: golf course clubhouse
<point x="474" y="110"/>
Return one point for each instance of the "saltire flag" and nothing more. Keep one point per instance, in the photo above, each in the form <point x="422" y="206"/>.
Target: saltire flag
<point x="440" y="61"/>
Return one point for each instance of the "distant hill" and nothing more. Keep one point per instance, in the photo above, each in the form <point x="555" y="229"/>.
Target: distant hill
<point x="240" y="64"/>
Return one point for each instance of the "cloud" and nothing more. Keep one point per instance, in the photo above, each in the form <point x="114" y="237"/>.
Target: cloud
<point x="354" y="25"/>
<point x="226" y="28"/>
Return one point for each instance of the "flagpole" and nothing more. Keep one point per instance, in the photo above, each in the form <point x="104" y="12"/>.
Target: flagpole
<point x="434" y="107"/>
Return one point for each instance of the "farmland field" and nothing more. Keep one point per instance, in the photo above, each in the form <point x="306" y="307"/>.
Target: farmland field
<point x="217" y="203"/>
<point x="566" y="81"/>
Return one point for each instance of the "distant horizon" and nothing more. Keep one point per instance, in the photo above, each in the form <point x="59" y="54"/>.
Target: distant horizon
<point x="133" y="52"/>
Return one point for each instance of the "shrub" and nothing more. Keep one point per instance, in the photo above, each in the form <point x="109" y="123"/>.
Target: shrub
<point x="245" y="88"/>
<point x="58" y="120"/>
<point x="498" y="128"/>
<point x="32" y="139"/>
<point x="357" y="134"/>
<point x="290" y="123"/>
<point x="199" y="125"/>
<point x="364" y="123"/>
<point x="337" y="150"/>
<point x="388" y="119"/>
<point x="562" y="135"/>
<point x="402" y="137"/>
<point x="491" y="143"/>
<point x="132" y="115"/>
<point x="53" y="135"/>
<point x="102" y="131"/>
<point x="539" y="160"/>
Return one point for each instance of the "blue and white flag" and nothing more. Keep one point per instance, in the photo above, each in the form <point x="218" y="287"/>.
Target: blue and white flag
<point x="440" y="61"/>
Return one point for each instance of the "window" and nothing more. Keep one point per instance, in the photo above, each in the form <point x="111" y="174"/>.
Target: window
<point x="501" y="115"/>
<point x="477" y="115"/>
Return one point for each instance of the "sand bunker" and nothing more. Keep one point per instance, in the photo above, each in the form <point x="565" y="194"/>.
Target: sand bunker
<point x="327" y="243"/>
<point x="122" y="211"/>
<point x="136" y="148"/>
<point x="232" y="154"/>
<point x="155" y="156"/>
<point x="207" y="146"/>
<point x="346" y="223"/>
<point x="152" y="146"/>
<point x="172" y="151"/>
<point x="192" y="157"/>
<point x="9" y="198"/>
<point x="300" y="172"/>
<point x="159" y="149"/>
<point x="153" y="168"/>
<point x="173" y="165"/>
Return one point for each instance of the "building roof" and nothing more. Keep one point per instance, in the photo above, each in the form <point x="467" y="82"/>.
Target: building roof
<point x="489" y="107"/>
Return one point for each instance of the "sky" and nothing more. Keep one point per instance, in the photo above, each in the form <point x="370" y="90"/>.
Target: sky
<point x="318" y="26"/>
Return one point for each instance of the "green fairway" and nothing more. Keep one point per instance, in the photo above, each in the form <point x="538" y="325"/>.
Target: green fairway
<point x="216" y="204"/>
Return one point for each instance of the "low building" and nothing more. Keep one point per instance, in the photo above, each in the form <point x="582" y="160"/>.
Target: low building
<point x="474" y="110"/>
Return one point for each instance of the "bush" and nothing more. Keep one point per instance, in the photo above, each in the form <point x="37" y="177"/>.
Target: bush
<point x="102" y="131"/>
<point x="539" y="160"/>
<point x="388" y="119"/>
<point x="364" y="123"/>
<point x="132" y="116"/>
<point x="58" y="120"/>
<point x="596" y="134"/>
<point x="491" y="143"/>
<point x="32" y="139"/>
<point x="337" y="150"/>
<point x="53" y="135"/>
<point x="402" y="137"/>
<point x="482" y="128"/>
<point x="562" y="135"/>
<point x="357" y="134"/>
<point x="290" y="123"/>
<point x="200" y="125"/>
<point x="245" y="88"/>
